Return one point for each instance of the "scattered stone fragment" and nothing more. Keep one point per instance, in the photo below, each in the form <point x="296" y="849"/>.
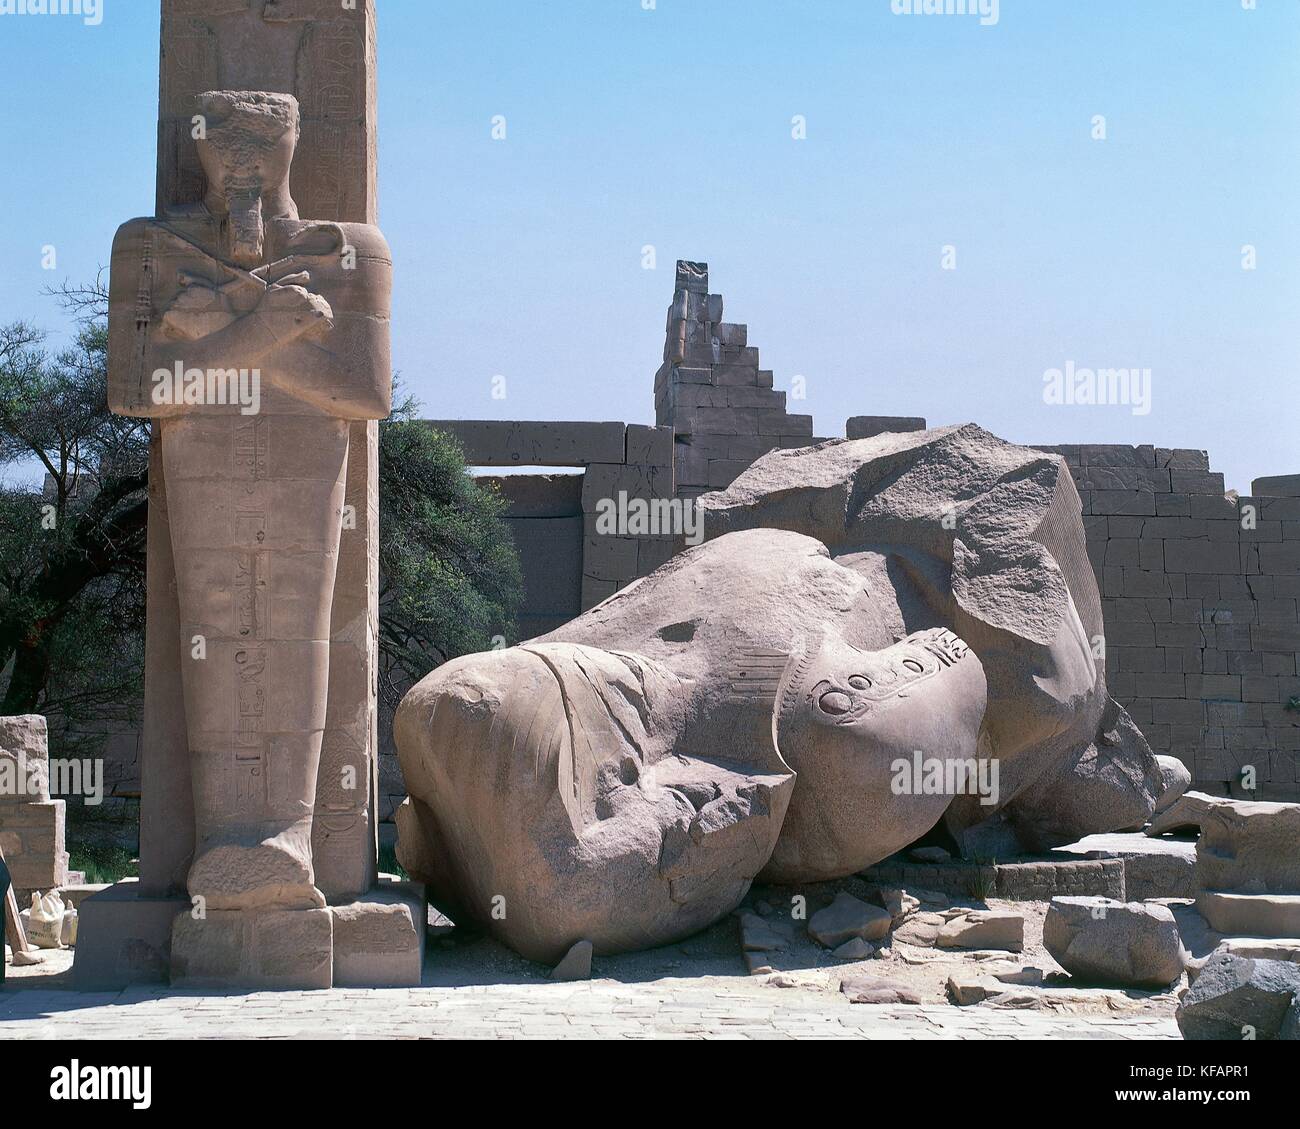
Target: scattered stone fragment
<point x="899" y="903"/>
<point x="1250" y="914"/>
<point x="854" y="949"/>
<point x="1131" y="944"/>
<point x="983" y="929"/>
<point x="1185" y="813"/>
<point x="847" y="917"/>
<point x="929" y="854"/>
<point x="966" y="990"/>
<point x="1261" y="948"/>
<point x="757" y="964"/>
<point x="758" y="935"/>
<point x="863" y="989"/>
<point x="1175" y="779"/>
<point x="576" y="964"/>
<point x="1237" y="998"/>
<point x="920" y="929"/>
<point x="1028" y="976"/>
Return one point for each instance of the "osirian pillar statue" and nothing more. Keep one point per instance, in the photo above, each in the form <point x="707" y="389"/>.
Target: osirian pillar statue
<point x="254" y="338"/>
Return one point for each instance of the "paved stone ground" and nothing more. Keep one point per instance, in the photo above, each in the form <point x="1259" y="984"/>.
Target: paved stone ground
<point x="734" y="1008"/>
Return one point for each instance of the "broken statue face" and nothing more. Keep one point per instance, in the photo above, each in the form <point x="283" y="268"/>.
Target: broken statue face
<point x="854" y="724"/>
<point x="247" y="150"/>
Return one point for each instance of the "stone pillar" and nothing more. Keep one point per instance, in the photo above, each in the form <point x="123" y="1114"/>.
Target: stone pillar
<point x="324" y="55"/>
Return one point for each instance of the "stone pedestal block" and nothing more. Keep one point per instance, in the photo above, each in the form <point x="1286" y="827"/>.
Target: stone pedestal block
<point x="1251" y="915"/>
<point x="379" y="939"/>
<point x="32" y="838"/>
<point x="260" y="951"/>
<point x="124" y="937"/>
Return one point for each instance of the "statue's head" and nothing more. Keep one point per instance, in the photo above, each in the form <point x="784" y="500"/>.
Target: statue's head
<point x="246" y="147"/>
<point x="874" y="736"/>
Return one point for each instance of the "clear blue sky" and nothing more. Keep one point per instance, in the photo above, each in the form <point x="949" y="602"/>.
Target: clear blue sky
<point x="672" y="127"/>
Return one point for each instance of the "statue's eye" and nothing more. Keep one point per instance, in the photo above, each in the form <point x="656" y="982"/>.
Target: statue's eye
<point x="835" y="702"/>
<point x="860" y="682"/>
<point x="914" y="666"/>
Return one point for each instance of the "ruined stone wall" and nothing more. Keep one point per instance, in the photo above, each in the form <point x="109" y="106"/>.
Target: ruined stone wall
<point x="1199" y="592"/>
<point x="713" y="393"/>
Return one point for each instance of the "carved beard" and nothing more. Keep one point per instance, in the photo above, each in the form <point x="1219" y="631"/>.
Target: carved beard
<point x="246" y="227"/>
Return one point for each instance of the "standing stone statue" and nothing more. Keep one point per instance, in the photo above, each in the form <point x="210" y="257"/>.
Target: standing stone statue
<point x="253" y="337"/>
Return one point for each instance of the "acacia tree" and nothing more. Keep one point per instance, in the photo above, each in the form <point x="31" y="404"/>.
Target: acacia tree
<point x="72" y="550"/>
<point x="72" y="547"/>
<point x="450" y="581"/>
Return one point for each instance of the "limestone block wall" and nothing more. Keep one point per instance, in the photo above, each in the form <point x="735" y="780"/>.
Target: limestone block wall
<point x="1199" y="592"/>
<point x="634" y="461"/>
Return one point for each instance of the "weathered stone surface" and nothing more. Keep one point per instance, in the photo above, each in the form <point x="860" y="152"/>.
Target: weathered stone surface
<point x="1157" y="867"/>
<point x="867" y="427"/>
<point x="1259" y="948"/>
<point x="1111" y="784"/>
<point x="1185" y="814"/>
<point x="1175" y="779"/>
<point x="1008" y="571"/>
<point x="965" y="989"/>
<point x="1276" y="486"/>
<point x="576" y="964"/>
<point x="1237" y="998"/>
<point x="853" y="949"/>
<point x="658" y="730"/>
<point x="259" y="768"/>
<point x="561" y="779"/>
<point x="1129" y="944"/>
<point x="132" y="938"/>
<point x="24" y="760"/>
<point x="1250" y="847"/>
<point x="848" y="917"/>
<point x="983" y="929"/>
<point x="758" y="934"/>
<point x="379" y="939"/>
<point x="864" y="988"/>
<point x="1251" y="915"/>
<point x="268" y="949"/>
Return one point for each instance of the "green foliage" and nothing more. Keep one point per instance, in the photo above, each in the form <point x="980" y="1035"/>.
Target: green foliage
<point x="102" y="864"/>
<point x="450" y="576"/>
<point x="72" y="551"/>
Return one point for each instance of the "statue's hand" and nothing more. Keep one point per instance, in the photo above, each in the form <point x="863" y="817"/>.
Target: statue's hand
<point x="198" y="311"/>
<point x="294" y="312"/>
